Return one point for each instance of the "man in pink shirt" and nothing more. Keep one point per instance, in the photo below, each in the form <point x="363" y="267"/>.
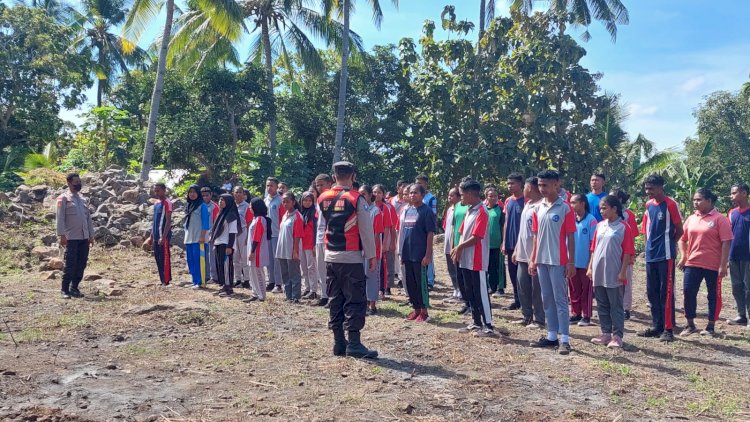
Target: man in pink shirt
<point x="704" y="250"/>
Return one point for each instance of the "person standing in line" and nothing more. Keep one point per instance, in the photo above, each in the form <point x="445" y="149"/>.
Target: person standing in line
<point x="529" y="291"/>
<point x="472" y="254"/>
<point x="275" y="211"/>
<point x="612" y="250"/>
<point x="596" y="182"/>
<point x="322" y="183"/>
<point x="258" y="250"/>
<point x="739" y="253"/>
<point x="459" y="214"/>
<point x="283" y="188"/>
<point x="417" y="224"/>
<point x="241" y="263"/>
<point x="397" y="201"/>
<point x="349" y="235"/>
<point x="307" y="256"/>
<point x="390" y="221"/>
<point x="213" y="210"/>
<point x="75" y="231"/>
<point x="224" y="239"/>
<point x="581" y="289"/>
<point x="372" y="284"/>
<point x="453" y="198"/>
<point x="161" y="234"/>
<point x="627" y="301"/>
<point x="704" y="255"/>
<point x="513" y="208"/>
<point x="496" y="272"/>
<point x="553" y="259"/>
<point x="197" y="224"/>
<point x="431" y="201"/>
<point x="662" y="225"/>
<point x="289" y="247"/>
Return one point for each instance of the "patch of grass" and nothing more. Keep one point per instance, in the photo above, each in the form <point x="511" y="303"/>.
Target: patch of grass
<point x="614" y="368"/>
<point x="29" y="335"/>
<point x="136" y="350"/>
<point x="614" y="397"/>
<point x="656" y="402"/>
<point x="715" y="403"/>
<point x="377" y="370"/>
<point x="395" y="308"/>
<point x="76" y="320"/>
<point x="29" y="296"/>
<point x="444" y="317"/>
<point x="192" y="318"/>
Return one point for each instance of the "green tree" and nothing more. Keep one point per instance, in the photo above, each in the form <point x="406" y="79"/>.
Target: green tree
<point x="95" y="39"/>
<point x="344" y="8"/>
<point x="581" y="13"/>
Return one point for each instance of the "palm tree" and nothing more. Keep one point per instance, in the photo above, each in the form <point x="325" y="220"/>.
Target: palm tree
<point x="745" y="90"/>
<point x="344" y="7"/>
<point x="580" y="13"/>
<point x="109" y="58"/>
<point x="277" y="23"/>
<point x="486" y="15"/>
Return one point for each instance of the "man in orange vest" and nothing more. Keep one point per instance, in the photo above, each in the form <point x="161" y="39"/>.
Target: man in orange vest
<point x="349" y="238"/>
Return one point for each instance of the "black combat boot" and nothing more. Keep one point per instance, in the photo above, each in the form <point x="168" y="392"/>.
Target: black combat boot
<point x="356" y="349"/>
<point x="339" y="342"/>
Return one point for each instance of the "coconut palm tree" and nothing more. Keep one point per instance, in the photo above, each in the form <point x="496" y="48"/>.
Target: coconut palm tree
<point x="94" y="27"/>
<point x="581" y="13"/>
<point x="344" y="9"/>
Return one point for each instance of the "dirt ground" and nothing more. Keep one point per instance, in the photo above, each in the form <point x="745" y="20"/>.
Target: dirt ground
<point x="177" y="354"/>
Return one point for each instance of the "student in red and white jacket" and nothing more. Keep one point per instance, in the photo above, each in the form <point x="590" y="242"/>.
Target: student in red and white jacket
<point x="289" y="247"/>
<point x="307" y="257"/>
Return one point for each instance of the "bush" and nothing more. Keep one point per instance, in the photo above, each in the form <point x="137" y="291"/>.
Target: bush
<point x="9" y="181"/>
<point x="44" y="176"/>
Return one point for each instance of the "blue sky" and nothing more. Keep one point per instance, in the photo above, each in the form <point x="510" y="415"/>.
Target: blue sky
<point x="671" y="55"/>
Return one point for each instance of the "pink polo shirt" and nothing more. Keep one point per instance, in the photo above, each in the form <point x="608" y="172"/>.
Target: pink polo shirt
<point x="704" y="234"/>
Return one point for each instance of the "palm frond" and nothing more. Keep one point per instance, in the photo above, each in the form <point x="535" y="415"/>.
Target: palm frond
<point x="141" y="14"/>
<point x="226" y="17"/>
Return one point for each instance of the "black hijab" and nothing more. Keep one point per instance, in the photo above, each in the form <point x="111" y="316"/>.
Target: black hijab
<point x="228" y="214"/>
<point x="261" y="210"/>
<point x="308" y="214"/>
<point x="192" y="205"/>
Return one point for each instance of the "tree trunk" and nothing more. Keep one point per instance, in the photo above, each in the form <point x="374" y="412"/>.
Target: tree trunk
<point x="342" y="87"/>
<point x="161" y="70"/>
<point x="271" y="96"/>
<point x="235" y="137"/>
<point x="482" y="17"/>
<point x="99" y="92"/>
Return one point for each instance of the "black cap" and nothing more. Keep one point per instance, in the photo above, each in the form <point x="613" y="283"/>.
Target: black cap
<point x="343" y="165"/>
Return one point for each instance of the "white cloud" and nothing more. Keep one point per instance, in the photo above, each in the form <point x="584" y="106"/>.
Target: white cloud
<point x="638" y="110"/>
<point x="692" y="85"/>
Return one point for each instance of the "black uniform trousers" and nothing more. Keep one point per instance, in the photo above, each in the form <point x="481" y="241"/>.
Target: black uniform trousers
<point x="346" y="295"/>
<point x="76" y="257"/>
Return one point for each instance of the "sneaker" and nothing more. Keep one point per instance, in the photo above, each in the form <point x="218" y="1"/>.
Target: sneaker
<point x="469" y="329"/>
<point x="422" y="317"/>
<point x="76" y="294"/>
<point x="708" y="331"/>
<point x="501" y="292"/>
<point x="513" y="307"/>
<point x="544" y="342"/>
<point x="369" y="312"/>
<point x="584" y="322"/>
<point x="603" y="339"/>
<point x="737" y="321"/>
<point x="251" y="299"/>
<point x="650" y="332"/>
<point x="305" y="294"/>
<point x="311" y="296"/>
<point x="226" y="293"/>
<point x="322" y="302"/>
<point x="246" y="284"/>
<point x="563" y="348"/>
<point x="627" y="315"/>
<point x="196" y="287"/>
<point x="388" y="292"/>
<point x="522" y="321"/>
<point x="412" y="316"/>
<point x="464" y="310"/>
<point x="407" y="303"/>
<point x="485" y="332"/>
<point x="575" y="318"/>
<point x="64" y="295"/>
<point x="667" y="337"/>
<point x="220" y="291"/>
<point x="277" y="289"/>
<point x="270" y="286"/>
<point x="535" y="324"/>
<point x="295" y="301"/>
<point x="399" y="284"/>
<point x="616" y="343"/>
<point x="497" y="294"/>
<point x="688" y="330"/>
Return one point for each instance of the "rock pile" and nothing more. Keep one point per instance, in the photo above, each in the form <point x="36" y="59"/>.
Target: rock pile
<point x="121" y="208"/>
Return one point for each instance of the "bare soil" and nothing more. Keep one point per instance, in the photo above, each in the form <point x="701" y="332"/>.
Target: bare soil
<point x="178" y="354"/>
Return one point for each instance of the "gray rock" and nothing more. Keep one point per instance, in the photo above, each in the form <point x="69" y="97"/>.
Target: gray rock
<point x="104" y="236"/>
<point x="178" y="238"/>
<point x="130" y="196"/>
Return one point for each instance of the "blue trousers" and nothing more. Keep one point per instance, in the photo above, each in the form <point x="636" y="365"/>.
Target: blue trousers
<point x="692" y="284"/>
<point x="554" y="287"/>
<point x="197" y="264"/>
<point x="660" y="291"/>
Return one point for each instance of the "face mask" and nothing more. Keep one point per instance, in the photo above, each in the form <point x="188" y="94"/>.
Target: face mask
<point x="77" y="187"/>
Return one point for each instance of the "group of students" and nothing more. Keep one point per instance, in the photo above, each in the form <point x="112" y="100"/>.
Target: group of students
<point x="561" y="251"/>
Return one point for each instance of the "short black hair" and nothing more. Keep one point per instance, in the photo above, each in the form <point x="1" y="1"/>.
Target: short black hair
<point x="355" y="185"/>
<point x="621" y="195"/>
<point x="401" y="183"/>
<point x="471" y="185"/>
<point x="582" y="198"/>
<point x="706" y="193"/>
<point x="516" y="177"/>
<point x="343" y="169"/>
<point x="273" y="179"/>
<point x="548" y="175"/>
<point x="599" y="175"/>
<point x="160" y="185"/>
<point x="742" y="186"/>
<point x="419" y="187"/>
<point x="423" y="177"/>
<point x="324" y="177"/>
<point x="533" y="181"/>
<point x="206" y="189"/>
<point x="654" y="179"/>
<point x="69" y="178"/>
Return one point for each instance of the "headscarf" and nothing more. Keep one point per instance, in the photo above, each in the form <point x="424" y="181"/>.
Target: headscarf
<point x="308" y="214"/>
<point x="261" y="210"/>
<point x="192" y="205"/>
<point x="228" y="214"/>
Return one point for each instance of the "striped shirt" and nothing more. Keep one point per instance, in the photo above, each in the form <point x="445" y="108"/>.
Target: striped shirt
<point x="659" y="225"/>
<point x="476" y="223"/>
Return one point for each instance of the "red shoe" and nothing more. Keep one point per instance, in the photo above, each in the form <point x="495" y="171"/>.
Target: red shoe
<point x="413" y="316"/>
<point x="423" y="317"/>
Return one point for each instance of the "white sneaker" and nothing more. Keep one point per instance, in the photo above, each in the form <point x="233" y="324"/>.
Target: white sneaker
<point x="196" y="287"/>
<point x="277" y="289"/>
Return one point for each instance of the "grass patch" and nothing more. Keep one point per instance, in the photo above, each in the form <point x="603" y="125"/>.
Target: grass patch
<point x="376" y="370"/>
<point x="446" y="317"/>
<point x="76" y="320"/>
<point x="192" y="318"/>
<point x="656" y="402"/>
<point x="715" y="403"/>
<point x="29" y="335"/>
<point x="614" y="368"/>
<point x="391" y="307"/>
<point x="136" y="350"/>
